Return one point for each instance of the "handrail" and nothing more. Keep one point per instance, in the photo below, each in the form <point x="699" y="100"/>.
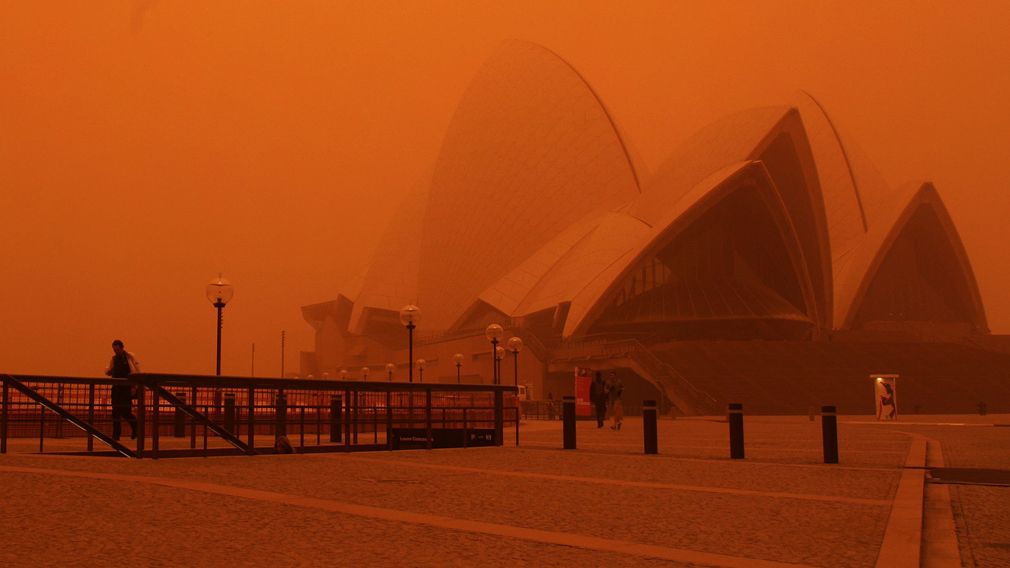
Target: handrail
<point x="45" y="402"/>
<point x="66" y="380"/>
<point x="533" y="342"/>
<point x="354" y="407"/>
<point x="672" y="370"/>
<point x="195" y="414"/>
<point x="150" y="379"/>
<point x="634" y="348"/>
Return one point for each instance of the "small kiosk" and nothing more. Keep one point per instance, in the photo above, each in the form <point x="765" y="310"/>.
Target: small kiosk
<point x="885" y="395"/>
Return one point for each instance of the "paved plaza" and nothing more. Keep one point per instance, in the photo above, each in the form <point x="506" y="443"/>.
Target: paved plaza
<point x="604" y="504"/>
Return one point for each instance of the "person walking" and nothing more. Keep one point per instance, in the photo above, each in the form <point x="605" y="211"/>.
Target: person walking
<point x="615" y="390"/>
<point x="598" y="396"/>
<point x="121" y="366"/>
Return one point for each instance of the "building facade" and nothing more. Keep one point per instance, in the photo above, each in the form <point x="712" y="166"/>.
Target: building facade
<point x="766" y="227"/>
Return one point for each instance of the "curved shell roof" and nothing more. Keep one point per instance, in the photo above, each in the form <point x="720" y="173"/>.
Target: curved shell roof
<point x="590" y="300"/>
<point x="775" y="135"/>
<point x="391" y="281"/>
<point x="723" y="143"/>
<point x="530" y="150"/>
<point x="892" y="214"/>
<point x="534" y="201"/>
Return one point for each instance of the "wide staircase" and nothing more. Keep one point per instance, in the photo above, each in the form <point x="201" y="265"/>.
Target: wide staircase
<point x="793" y="377"/>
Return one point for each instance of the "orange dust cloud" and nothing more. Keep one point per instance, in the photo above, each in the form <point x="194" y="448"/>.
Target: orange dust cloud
<point x="145" y="147"/>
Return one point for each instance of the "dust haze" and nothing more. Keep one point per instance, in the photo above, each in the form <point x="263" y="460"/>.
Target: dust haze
<point x="145" y="147"/>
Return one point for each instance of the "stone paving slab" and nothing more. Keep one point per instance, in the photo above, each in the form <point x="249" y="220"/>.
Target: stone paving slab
<point x="739" y="525"/>
<point x="980" y="512"/>
<point x="781" y="504"/>
<point x="84" y="522"/>
<point x="870" y="484"/>
<point x="982" y="515"/>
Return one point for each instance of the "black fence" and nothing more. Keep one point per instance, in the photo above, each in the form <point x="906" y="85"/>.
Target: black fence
<point x="199" y="415"/>
<point x="541" y="409"/>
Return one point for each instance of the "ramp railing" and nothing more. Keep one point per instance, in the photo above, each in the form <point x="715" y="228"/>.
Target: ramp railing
<point x="33" y="395"/>
<point x="193" y="415"/>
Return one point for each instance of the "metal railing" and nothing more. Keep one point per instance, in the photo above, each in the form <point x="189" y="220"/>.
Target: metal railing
<point x="179" y="415"/>
<point x="701" y="401"/>
<point x="541" y="409"/>
<point x="697" y="399"/>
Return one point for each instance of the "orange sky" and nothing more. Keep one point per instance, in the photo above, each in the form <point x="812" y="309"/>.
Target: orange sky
<point x="146" y="146"/>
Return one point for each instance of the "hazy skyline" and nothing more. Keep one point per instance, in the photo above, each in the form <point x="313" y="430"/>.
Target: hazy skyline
<point x="146" y="147"/>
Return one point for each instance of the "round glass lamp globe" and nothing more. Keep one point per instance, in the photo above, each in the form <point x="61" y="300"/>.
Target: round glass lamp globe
<point x="421" y="363"/>
<point x="494" y="332"/>
<point x="390" y="367"/>
<point x="220" y="291"/>
<point x="515" y="344"/>
<point x="410" y="314"/>
<point x="499" y="352"/>
<point x="458" y="358"/>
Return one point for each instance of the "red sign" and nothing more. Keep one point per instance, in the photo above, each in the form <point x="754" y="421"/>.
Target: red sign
<point x="583" y="380"/>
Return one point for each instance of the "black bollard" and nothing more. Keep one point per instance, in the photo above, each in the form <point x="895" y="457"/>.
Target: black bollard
<point x="281" y="418"/>
<point x="736" y="430"/>
<point x="499" y="418"/>
<point x="829" y="429"/>
<point x="568" y="414"/>
<point x="649" y="427"/>
<point x="229" y="412"/>
<point x="335" y="404"/>
<point x="179" y="426"/>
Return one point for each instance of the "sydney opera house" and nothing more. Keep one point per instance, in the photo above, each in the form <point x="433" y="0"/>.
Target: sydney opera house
<point x="765" y="262"/>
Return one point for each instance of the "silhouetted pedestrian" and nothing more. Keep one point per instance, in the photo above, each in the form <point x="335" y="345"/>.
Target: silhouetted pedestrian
<point x="598" y="396"/>
<point x="615" y="390"/>
<point x="121" y="366"/>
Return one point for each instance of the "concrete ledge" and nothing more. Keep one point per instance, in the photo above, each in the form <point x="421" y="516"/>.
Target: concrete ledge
<point x="903" y="536"/>
<point x="939" y="533"/>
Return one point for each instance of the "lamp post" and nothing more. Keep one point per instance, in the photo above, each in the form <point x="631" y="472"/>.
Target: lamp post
<point x="364" y="373"/>
<point x="494" y="333"/>
<point x="389" y="371"/>
<point x="515" y="345"/>
<point x="219" y="292"/>
<point x="459" y="364"/>
<point x="343" y="374"/>
<point x="499" y="356"/>
<point x="420" y="369"/>
<point x="409" y="316"/>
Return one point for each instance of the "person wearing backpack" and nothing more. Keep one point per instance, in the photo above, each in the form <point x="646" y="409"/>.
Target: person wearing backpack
<point x="598" y="396"/>
<point x="615" y="390"/>
<point x="121" y="366"/>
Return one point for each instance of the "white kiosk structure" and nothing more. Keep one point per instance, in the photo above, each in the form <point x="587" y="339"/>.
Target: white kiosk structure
<point x="885" y="393"/>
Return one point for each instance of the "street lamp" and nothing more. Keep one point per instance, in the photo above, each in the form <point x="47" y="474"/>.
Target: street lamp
<point x="515" y="345"/>
<point x="389" y="371"/>
<point x="499" y="354"/>
<point x="364" y="373"/>
<point x="420" y="368"/>
<point x="459" y="364"/>
<point x="219" y="292"/>
<point x="409" y="316"/>
<point x="343" y="374"/>
<point x="493" y="334"/>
